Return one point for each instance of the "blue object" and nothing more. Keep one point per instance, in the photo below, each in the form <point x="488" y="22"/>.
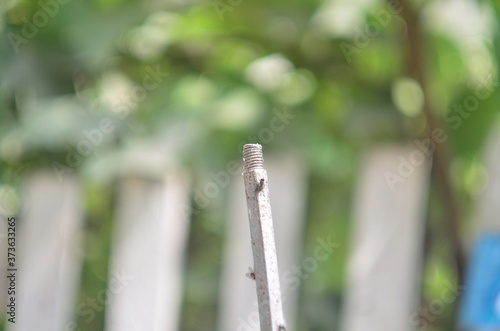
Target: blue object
<point x="480" y="309"/>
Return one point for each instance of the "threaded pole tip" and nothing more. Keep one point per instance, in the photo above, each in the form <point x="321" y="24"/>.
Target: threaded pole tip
<point x="253" y="158"/>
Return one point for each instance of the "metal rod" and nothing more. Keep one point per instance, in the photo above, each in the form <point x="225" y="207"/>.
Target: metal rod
<point x="262" y="235"/>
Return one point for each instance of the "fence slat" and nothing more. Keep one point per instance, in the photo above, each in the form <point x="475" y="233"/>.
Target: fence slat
<point x="489" y="203"/>
<point x="287" y="184"/>
<point x="385" y="262"/>
<point x="49" y="253"/>
<point x="145" y="280"/>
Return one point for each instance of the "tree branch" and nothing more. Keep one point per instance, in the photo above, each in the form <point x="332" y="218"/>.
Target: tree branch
<point x="415" y="67"/>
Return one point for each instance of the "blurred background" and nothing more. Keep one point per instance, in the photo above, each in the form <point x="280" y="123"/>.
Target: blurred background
<point x="120" y="98"/>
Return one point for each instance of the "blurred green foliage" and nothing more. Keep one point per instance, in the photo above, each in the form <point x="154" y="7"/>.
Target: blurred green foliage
<point x="220" y="69"/>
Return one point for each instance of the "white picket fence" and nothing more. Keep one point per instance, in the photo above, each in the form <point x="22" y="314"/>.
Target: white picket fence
<point x="384" y="267"/>
<point x="151" y="230"/>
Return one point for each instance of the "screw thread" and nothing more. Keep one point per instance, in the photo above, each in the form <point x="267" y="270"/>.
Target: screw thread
<point x="252" y="157"/>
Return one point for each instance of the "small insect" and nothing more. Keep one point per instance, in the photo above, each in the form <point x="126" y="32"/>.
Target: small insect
<point x="281" y="328"/>
<point x="251" y="274"/>
<point x="260" y="186"/>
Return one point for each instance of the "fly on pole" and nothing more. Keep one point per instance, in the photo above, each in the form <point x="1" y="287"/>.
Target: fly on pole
<point x="262" y="235"/>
